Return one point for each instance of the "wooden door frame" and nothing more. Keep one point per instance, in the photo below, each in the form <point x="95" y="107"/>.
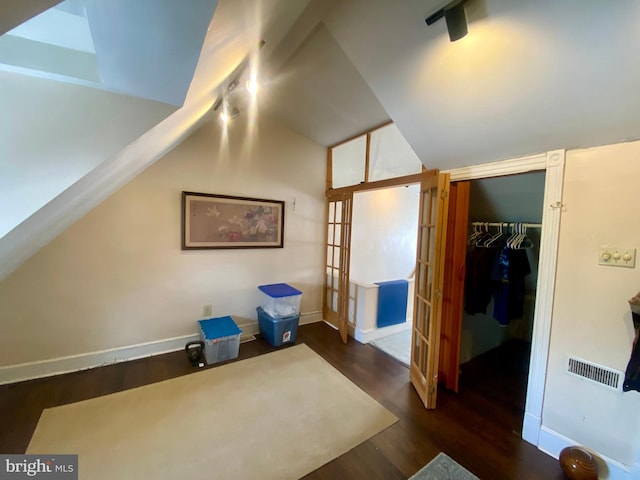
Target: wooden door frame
<point x="454" y="280"/>
<point x="553" y="164"/>
<point x="344" y="280"/>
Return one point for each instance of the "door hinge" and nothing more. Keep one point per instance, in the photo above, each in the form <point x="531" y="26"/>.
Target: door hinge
<point x="433" y="385"/>
<point x="438" y="293"/>
<point x="445" y="194"/>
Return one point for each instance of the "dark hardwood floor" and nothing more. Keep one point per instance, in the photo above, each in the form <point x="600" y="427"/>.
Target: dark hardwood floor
<point x="475" y="427"/>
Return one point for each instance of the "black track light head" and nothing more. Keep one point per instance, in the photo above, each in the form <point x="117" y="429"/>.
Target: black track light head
<point x="455" y="17"/>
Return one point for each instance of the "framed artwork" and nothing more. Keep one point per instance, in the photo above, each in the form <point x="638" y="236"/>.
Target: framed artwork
<point x="223" y="221"/>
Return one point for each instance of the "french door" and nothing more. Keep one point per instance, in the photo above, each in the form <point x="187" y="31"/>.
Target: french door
<point x="425" y="339"/>
<point x="335" y="306"/>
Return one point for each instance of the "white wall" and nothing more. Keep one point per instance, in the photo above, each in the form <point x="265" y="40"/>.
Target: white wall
<point x="53" y="133"/>
<point x="117" y="277"/>
<point x="384" y="234"/>
<point x="591" y="317"/>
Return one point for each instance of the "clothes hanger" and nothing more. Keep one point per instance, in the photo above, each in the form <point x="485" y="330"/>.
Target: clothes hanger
<point x="526" y="241"/>
<point x="492" y="241"/>
<point x="479" y="231"/>
<point x="518" y="240"/>
<point x="486" y="235"/>
<point x="522" y="241"/>
<point x="515" y="245"/>
<point x="472" y="238"/>
<point x="512" y="235"/>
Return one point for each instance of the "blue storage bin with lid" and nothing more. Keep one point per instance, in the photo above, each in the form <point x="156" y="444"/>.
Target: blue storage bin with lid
<point x="280" y="300"/>
<point x="277" y="331"/>
<point x="221" y="337"/>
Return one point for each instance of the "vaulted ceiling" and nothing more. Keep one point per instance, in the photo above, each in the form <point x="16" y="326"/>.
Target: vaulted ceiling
<point x="529" y="77"/>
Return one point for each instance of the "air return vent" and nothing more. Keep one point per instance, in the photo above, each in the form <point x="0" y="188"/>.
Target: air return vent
<point x="595" y="373"/>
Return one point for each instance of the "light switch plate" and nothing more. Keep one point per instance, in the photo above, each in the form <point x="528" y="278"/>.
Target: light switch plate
<point x="617" y="256"/>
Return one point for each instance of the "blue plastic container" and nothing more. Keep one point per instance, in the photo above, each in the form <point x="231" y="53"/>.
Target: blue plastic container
<point x="221" y="337"/>
<point x="277" y="331"/>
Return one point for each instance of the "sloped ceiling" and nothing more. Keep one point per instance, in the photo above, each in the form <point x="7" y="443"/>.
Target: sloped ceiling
<point x="59" y="121"/>
<point x="232" y="36"/>
<point x="149" y="48"/>
<point x="529" y="77"/>
<point x="15" y="12"/>
<point x="320" y="94"/>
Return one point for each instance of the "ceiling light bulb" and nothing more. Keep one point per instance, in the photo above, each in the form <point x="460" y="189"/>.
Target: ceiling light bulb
<point x="229" y="113"/>
<point x="252" y="86"/>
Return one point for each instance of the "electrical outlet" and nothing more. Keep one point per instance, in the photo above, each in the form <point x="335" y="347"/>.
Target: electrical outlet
<point x="207" y="310"/>
<point x="617" y="257"/>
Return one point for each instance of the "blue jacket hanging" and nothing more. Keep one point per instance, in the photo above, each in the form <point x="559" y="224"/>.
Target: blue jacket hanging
<point x="509" y="271"/>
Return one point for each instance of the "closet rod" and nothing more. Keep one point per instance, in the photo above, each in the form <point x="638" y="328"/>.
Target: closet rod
<point x="505" y="224"/>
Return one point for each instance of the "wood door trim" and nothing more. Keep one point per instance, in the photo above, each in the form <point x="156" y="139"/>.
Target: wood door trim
<point x="361" y="134"/>
<point x="378" y="184"/>
<point x="453" y="289"/>
<point x="438" y="280"/>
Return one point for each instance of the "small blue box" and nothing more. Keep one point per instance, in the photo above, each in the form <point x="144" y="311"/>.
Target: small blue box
<point x="221" y="337"/>
<point x="277" y="331"/>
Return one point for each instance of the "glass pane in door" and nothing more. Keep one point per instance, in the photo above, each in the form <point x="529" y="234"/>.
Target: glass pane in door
<point x="425" y="342"/>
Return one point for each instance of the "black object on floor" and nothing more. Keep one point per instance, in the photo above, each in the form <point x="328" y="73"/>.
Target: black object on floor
<point x="195" y="353"/>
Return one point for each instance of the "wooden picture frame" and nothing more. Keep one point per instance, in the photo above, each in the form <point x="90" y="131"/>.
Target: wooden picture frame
<point x="222" y="221"/>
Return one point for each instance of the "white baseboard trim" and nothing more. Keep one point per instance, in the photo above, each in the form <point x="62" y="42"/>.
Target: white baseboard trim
<point x="366" y="336"/>
<point x="357" y="334"/>
<point x="531" y="428"/>
<point x="552" y="443"/>
<point x="74" y="363"/>
<point x="311" y="317"/>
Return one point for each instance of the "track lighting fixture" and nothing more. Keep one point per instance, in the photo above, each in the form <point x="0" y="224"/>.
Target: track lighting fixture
<point x="228" y="90"/>
<point x="225" y="111"/>
<point x="455" y="17"/>
<point x="252" y="86"/>
<point x="229" y="113"/>
<point x="232" y="85"/>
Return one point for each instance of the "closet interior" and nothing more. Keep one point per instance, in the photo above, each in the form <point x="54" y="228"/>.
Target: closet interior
<point x="503" y="244"/>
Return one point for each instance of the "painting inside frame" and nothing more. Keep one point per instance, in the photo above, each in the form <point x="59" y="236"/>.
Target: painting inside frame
<point x="223" y="221"/>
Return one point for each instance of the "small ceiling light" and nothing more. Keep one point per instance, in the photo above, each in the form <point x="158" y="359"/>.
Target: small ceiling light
<point x="252" y="86"/>
<point x="232" y="85"/>
<point x="227" y="114"/>
<point x="455" y="17"/>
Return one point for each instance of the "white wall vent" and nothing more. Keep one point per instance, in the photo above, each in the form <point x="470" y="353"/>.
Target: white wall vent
<point x="595" y="373"/>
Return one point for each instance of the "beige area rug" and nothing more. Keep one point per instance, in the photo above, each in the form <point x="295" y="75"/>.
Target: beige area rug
<point x="275" y="416"/>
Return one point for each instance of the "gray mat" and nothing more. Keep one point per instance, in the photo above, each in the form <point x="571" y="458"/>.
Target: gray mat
<point x="443" y="467"/>
<point x="397" y="345"/>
